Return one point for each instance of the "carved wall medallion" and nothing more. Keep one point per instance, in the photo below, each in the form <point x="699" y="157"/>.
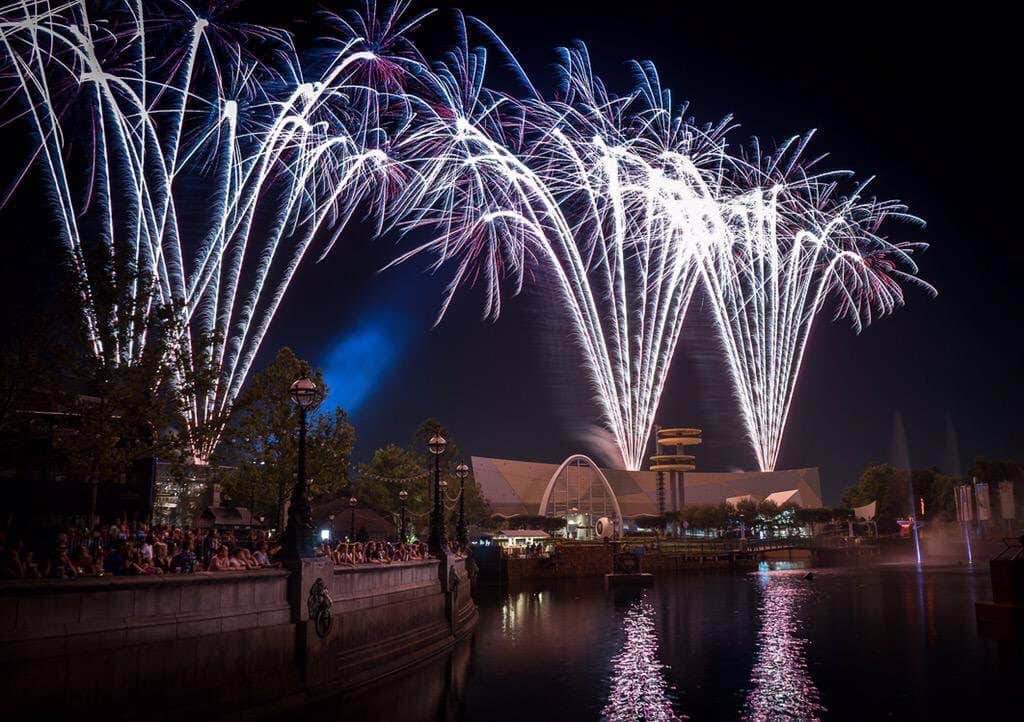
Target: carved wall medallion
<point x="319" y="606"/>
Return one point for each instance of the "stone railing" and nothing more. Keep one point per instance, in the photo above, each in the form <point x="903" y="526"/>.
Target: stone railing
<point x="221" y="644"/>
<point x="100" y="612"/>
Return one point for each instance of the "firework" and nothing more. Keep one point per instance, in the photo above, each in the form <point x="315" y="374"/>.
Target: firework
<point x="624" y="201"/>
<point x="787" y="241"/>
<point x="225" y="115"/>
<point x="629" y="204"/>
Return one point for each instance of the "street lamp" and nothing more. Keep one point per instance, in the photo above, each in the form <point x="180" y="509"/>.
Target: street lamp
<point x="437" y="541"/>
<point x="352" y="501"/>
<point x="331" y="518"/>
<point x="462" y="471"/>
<point x="300" y="538"/>
<point x="403" y="495"/>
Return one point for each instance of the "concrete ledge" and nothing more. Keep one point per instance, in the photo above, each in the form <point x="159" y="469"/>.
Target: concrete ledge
<point x="89" y="584"/>
<point x="92" y="613"/>
<point x="225" y="644"/>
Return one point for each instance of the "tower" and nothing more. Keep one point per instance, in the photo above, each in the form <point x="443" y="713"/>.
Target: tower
<point x="670" y="458"/>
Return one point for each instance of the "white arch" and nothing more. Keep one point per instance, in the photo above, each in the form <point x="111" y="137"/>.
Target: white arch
<point x="600" y="474"/>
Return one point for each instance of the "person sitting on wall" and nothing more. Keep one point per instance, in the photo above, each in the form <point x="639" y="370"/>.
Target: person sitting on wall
<point x="82" y="562"/>
<point x="236" y="559"/>
<point x="160" y="548"/>
<point x="161" y="559"/>
<point x="375" y="553"/>
<point x="220" y="561"/>
<point x="249" y="559"/>
<point x="402" y="553"/>
<point x="62" y="567"/>
<point x="11" y="564"/>
<point x="260" y="555"/>
<point x="184" y="562"/>
<point x="338" y="552"/>
<point x="145" y="566"/>
<point x="116" y="562"/>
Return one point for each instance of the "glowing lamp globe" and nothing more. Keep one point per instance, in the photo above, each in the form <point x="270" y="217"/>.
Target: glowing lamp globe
<point x="303" y="392"/>
<point x="436" y="444"/>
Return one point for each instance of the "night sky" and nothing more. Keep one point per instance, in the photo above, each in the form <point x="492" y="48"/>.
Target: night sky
<point x="921" y="102"/>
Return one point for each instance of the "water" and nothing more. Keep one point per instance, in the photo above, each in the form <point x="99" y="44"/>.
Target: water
<point x="887" y="642"/>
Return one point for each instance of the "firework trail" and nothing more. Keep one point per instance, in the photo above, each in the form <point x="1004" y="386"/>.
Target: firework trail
<point x="180" y="106"/>
<point x="625" y="201"/>
<point x="582" y="188"/>
<point x="789" y="240"/>
<point x="630" y="204"/>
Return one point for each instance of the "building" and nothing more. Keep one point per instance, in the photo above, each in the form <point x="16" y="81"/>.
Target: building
<point x="520" y="538"/>
<point x="336" y="520"/>
<point x="582" y="493"/>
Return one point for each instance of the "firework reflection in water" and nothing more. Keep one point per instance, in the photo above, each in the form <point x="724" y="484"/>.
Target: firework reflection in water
<point x="782" y="687"/>
<point x="639" y="690"/>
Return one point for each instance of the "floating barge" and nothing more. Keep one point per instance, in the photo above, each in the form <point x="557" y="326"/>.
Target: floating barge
<point x="626" y="572"/>
<point x="629" y="579"/>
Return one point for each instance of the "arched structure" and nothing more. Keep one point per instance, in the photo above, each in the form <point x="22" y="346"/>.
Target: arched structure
<point x="578" y="461"/>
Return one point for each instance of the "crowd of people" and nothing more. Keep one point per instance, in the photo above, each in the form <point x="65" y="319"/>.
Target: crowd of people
<point x="353" y="554"/>
<point x="138" y="549"/>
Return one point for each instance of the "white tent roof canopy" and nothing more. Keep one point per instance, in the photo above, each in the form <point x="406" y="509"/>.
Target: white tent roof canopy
<point x="786" y="497"/>
<point x="867" y="511"/>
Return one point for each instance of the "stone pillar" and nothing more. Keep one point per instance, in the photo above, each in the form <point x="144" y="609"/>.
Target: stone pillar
<point x="311" y="650"/>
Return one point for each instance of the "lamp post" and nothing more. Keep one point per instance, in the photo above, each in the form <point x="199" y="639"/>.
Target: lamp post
<point x="331" y="517"/>
<point x="352" y="501"/>
<point x="402" y="496"/>
<point x="462" y="471"/>
<point x="437" y="540"/>
<point x="300" y="537"/>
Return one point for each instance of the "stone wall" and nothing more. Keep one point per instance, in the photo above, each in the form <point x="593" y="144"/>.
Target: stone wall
<point x="590" y="560"/>
<point x="237" y="644"/>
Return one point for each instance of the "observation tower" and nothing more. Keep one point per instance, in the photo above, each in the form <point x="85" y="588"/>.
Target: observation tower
<point x="670" y="458"/>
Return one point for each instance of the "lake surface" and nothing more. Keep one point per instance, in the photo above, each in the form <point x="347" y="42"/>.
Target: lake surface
<point x="886" y="642"/>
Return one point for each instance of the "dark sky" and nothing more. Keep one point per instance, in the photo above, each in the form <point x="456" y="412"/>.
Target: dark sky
<point x="922" y="101"/>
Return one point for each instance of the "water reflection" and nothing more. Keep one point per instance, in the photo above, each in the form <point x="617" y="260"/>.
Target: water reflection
<point x="782" y="687"/>
<point x="639" y="690"/>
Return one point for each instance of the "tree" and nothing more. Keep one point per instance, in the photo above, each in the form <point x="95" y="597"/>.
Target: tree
<point x="886" y="485"/>
<point x="892" y="489"/>
<point x="391" y="470"/>
<point x="937" y="491"/>
<point x="262" y="441"/>
<point x="120" y="414"/>
<point x="394" y="468"/>
<point x="993" y="471"/>
<point x="704" y="516"/>
<point x="746" y="510"/>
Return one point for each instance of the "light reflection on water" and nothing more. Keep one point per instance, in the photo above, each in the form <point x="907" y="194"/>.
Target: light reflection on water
<point x="638" y="687"/>
<point x="782" y="687"/>
<point x="879" y="642"/>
